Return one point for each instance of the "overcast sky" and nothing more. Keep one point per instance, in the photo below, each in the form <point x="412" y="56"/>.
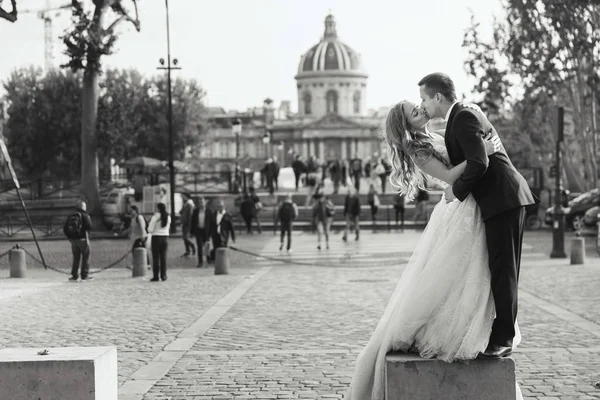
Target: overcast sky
<point x="243" y="51"/>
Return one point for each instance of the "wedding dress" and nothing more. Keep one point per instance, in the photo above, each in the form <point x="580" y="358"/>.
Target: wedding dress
<point x="442" y="306"/>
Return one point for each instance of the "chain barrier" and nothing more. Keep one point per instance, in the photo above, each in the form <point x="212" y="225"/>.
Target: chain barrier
<point x="344" y="260"/>
<point x="93" y="272"/>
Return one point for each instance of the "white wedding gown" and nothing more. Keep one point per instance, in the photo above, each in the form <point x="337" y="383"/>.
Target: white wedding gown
<point x="442" y="306"/>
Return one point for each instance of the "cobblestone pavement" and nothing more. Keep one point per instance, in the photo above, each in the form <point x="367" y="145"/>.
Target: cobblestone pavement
<point x="285" y="326"/>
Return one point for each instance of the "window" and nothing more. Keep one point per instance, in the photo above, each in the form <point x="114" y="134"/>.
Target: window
<point x="307" y="103"/>
<point x="332" y="101"/>
<point x="356" y="102"/>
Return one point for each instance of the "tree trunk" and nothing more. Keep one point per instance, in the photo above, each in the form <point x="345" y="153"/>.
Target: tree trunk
<point x="90" y="182"/>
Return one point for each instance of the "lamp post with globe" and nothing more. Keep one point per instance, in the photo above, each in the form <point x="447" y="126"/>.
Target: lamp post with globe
<point x="236" y="128"/>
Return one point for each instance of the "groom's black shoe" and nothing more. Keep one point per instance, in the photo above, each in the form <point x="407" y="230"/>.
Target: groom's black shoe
<point x="496" y="351"/>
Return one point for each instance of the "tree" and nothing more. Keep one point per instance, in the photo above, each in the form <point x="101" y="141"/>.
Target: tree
<point x="9" y="16"/>
<point x="88" y="40"/>
<point x="41" y="132"/>
<point x="551" y="47"/>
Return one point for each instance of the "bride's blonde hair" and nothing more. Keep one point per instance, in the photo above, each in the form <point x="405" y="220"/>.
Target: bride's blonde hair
<point x="403" y="148"/>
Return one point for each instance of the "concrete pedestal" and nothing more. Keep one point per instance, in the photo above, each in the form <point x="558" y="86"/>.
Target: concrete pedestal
<point x="140" y="259"/>
<point x="18" y="263"/>
<point x="221" y="261"/>
<point x="66" y="373"/>
<point x="578" y="251"/>
<point x="410" y="377"/>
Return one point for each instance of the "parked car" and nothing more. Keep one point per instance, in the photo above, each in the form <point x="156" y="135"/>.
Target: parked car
<point x="590" y="218"/>
<point x="574" y="213"/>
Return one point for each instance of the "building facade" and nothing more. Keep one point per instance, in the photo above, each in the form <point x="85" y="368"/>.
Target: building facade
<point x="332" y="121"/>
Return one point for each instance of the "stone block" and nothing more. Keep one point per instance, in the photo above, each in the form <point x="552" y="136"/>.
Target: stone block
<point x="65" y="373"/>
<point x="410" y="377"/>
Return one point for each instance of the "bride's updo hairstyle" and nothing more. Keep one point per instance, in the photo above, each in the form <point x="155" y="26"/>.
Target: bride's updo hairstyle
<point x="405" y="149"/>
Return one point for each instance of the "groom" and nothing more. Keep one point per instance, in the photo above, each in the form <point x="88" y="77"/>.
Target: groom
<point x="499" y="190"/>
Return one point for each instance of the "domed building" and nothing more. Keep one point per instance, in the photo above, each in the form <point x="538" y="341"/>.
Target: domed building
<point x="332" y="122"/>
<point x="331" y="78"/>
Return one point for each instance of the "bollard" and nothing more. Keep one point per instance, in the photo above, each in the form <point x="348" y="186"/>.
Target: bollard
<point x="221" y="261"/>
<point x="578" y="251"/>
<point x="140" y="260"/>
<point x="18" y="263"/>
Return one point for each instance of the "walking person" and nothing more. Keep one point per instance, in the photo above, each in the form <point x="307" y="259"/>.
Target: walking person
<point x="159" y="227"/>
<point x="299" y="168"/>
<point x="221" y="228"/>
<point x="248" y="211"/>
<point x="422" y="206"/>
<point x="374" y="203"/>
<point x="257" y="208"/>
<point x="287" y="213"/>
<point x="186" y="219"/>
<point x="321" y="220"/>
<point x="199" y="227"/>
<point x="399" y="208"/>
<point x="76" y="229"/>
<point x="352" y="213"/>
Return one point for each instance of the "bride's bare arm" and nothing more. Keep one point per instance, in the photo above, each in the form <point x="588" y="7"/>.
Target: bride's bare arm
<point x="434" y="167"/>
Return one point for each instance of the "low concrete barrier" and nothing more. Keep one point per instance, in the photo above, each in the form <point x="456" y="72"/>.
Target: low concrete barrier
<point x="577" y="251"/>
<point x="411" y="377"/>
<point x="221" y="261"/>
<point x="140" y="260"/>
<point x="18" y="263"/>
<point x="65" y="373"/>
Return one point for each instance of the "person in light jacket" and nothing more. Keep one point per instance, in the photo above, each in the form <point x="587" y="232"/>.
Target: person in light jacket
<point x="159" y="227"/>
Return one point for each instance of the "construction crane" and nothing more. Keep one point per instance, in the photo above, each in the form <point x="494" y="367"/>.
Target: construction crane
<point x="45" y="15"/>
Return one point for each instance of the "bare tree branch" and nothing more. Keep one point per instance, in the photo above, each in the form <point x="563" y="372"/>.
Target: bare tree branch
<point x="118" y="8"/>
<point x="10" y="16"/>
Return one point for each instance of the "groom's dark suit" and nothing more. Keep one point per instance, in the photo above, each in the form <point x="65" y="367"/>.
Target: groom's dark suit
<point x="502" y="194"/>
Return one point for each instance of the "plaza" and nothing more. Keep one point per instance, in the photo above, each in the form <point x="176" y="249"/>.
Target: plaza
<point x="283" y="326"/>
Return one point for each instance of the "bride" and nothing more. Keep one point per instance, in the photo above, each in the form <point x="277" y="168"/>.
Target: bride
<point x="442" y="306"/>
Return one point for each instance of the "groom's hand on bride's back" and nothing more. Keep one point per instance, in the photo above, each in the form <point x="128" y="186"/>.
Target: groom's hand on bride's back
<point x="492" y="144"/>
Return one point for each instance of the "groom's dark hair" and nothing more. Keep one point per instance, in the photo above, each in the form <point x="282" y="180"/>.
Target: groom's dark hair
<point x="438" y="82"/>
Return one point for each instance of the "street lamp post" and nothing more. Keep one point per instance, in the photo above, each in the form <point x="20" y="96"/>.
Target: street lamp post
<point x="558" y="225"/>
<point x="236" y="128"/>
<point x="170" y="118"/>
<point x="266" y="140"/>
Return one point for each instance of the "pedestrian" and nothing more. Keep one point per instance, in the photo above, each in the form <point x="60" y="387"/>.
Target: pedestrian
<point x="139" y="232"/>
<point x="399" y="207"/>
<point x="352" y="213"/>
<point x="374" y="203"/>
<point x="221" y="228"/>
<point x="248" y="211"/>
<point x="159" y="227"/>
<point x="258" y="207"/>
<point x="421" y="208"/>
<point x="199" y="227"/>
<point x="76" y="229"/>
<point x="186" y="219"/>
<point x="276" y="169"/>
<point x="356" y="172"/>
<point x="287" y="213"/>
<point x="299" y="168"/>
<point x="321" y="219"/>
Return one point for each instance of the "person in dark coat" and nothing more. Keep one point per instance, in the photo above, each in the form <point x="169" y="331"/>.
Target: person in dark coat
<point x="221" y="228"/>
<point x="199" y="227"/>
<point x="352" y="213"/>
<point x="248" y="211"/>
<point x="299" y="168"/>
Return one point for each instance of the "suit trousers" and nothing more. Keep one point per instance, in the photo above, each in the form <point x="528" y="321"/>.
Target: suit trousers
<point x="504" y="236"/>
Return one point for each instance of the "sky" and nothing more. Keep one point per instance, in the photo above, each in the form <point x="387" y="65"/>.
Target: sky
<point x="243" y="51"/>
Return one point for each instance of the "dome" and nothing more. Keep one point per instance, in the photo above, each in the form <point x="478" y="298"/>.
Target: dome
<point x="330" y="54"/>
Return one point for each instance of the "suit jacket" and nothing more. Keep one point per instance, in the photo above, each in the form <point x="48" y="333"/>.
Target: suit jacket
<point x="226" y="225"/>
<point x="495" y="183"/>
<point x="194" y="228"/>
